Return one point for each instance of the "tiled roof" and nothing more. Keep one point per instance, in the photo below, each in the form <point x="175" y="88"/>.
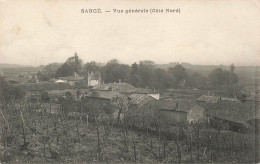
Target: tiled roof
<point x="232" y="111"/>
<point x="197" y="107"/>
<point x="210" y="99"/>
<point x="140" y="90"/>
<point x="215" y="99"/>
<point x="120" y="87"/>
<point x="229" y="99"/>
<point x="183" y="104"/>
<point x="104" y="94"/>
<point x="167" y="104"/>
<point x="140" y="99"/>
<point x="71" y="78"/>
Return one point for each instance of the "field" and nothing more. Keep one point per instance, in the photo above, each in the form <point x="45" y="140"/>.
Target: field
<point x="31" y="133"/>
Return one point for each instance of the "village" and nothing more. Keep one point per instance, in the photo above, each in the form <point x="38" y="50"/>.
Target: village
<point x="151" y="124"/>
<point x="203" y="109"/>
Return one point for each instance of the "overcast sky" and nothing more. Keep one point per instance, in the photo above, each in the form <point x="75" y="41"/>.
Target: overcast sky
<point x="35" y="32"/>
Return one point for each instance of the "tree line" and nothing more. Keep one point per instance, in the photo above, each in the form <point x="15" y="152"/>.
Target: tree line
<point x="145" y="74"/>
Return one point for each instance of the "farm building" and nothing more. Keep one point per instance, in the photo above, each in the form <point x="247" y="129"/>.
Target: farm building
<point x="112" y="97"/>
<point x="170" y="111"/>
<point x="140" y="100"/>
<point x="232" y="114"/>
<point x="90" y="105"/>
<point x="119" y="87"/>
<point x="73" y="80"/>
<point x="137" y="102"/>
<point x="102" y="94"/>
<point x="215" y="99"/>
<point x="126" y="88"/>
<point x="253" y="97"/>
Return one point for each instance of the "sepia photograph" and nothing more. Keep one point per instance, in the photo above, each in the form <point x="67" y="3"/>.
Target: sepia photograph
<point x="129" y="81"/>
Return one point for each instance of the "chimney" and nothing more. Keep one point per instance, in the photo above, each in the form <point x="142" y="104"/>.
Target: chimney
<point x="177" y="105"/>
<point x="119" y="81"/>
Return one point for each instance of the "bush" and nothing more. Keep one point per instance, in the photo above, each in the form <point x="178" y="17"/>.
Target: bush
<point x="45" y="96"/>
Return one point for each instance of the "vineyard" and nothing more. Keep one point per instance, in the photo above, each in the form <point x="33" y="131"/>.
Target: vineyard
<point x="32" y="133"/>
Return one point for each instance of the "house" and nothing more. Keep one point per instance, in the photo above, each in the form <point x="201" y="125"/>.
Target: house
<point x="72" y="80"/>
<point x="89" y="105"/>
<point x="127" y="89"/>
<point x="234" y="115"/>
<point x="253" y="97"/>
<point x="215" y="99"/>
<point x="138" y="101"/>
<point x="94" y="79"/>
<point x="110" y="95"/>
<point x="119" y="87"/>
<point x="134" y="101"/>
<point x="169" y="111"/>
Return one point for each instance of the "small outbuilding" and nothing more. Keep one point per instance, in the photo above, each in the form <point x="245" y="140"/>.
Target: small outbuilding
<point x="170" y="111"/>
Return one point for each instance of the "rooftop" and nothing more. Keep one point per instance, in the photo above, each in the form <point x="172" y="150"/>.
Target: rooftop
<point x="140" y="99"/>
<point x="215" y="99"/>
<point x="122" y="87"/>
<point x="232" y="111"/>
<point x="103" y="94"/>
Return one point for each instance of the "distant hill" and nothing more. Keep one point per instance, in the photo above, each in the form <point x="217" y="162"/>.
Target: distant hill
<point x="206" y="69"/>
<point x="11" y="65"/>
<point x="7" y="69"/>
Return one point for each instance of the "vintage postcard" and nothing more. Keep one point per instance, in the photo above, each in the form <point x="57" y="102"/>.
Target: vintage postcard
<point x="141" y="81"/>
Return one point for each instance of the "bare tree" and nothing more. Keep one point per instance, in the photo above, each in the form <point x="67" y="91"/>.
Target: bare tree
<point x="121" y="104"/>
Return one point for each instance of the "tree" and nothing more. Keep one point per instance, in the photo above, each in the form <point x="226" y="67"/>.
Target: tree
<point x="69" y="96"/>
<point x="196" y="80"/>
<point x="91" y="67"/>
<point x="218" y="78"/>
<point x="178" y="75"/>
<point x="160" y="79"/>
<point x="113" y="72"/>
<point x="232" y="68"/>
<point x="121" y="104"/>
<point x="221" y="78"/>
<point x="233" y="78"/>
<point x="145" y="72"/>
<point x="64" y="70"/>
<point x="9" y="92"/>
<point x="48" y="72"/>
<point x="72" y="64"/>
<point x="135" y="79"/>
<point x="43" y="77"/>
<point x="45" y="96"/>
<point x="75" y="63"/>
